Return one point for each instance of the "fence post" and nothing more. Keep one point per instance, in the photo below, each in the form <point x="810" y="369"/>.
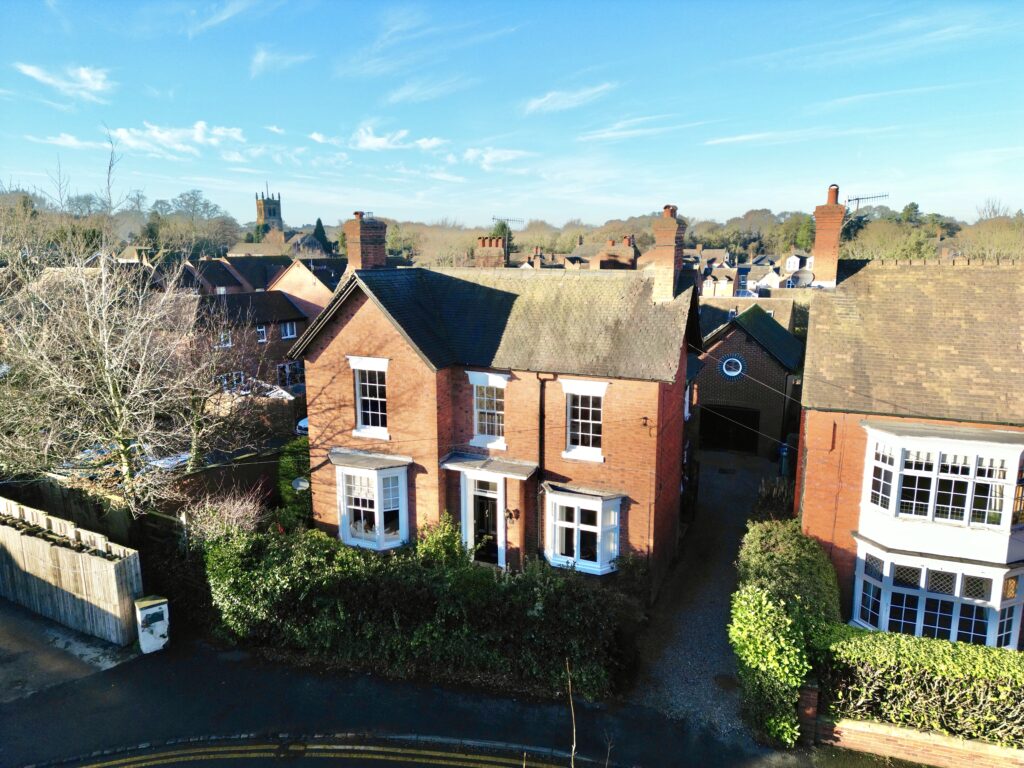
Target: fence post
<point x="807" y="713"/>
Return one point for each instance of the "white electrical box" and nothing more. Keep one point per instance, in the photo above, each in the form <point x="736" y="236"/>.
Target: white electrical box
<point x="153" y="621"/>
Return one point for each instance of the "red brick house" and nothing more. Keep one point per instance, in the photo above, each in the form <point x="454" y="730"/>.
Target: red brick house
<point x="748" y="390"/>
<point x="911" y="467"/>
<point x="543" y="409"/>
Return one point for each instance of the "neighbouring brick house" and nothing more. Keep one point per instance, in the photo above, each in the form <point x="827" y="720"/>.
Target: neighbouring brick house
<point x="911" y="468"/>
<point x="543" y="409"/>
<point x="747" y="392"/>
<point x="265" y="325"/>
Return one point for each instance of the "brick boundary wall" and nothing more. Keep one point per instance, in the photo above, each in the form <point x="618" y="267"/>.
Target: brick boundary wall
<point x="936" y="749"/>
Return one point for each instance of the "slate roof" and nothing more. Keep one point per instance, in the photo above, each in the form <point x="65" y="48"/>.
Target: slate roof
<point x="328" y="269"/>
<point x="258" y="271"/>
<point x="216" y="274"/>
<point x="243" y="248"/>
<point x="714" y="311"/>
<point x="938" y="341"/>
<point x="255" y="308"/>
<point x="776" y="340"/>
<point x="584" y="323"/>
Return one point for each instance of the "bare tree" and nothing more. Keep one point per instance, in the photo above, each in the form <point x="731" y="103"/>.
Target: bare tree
<point x="993" y="208"/>
<point x="111" y="371"/>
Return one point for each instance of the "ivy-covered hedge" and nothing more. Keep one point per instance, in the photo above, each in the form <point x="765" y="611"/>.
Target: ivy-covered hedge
<point x="964" y="690"/>
<point x="787" y="602"/>
<point x="424" y="611"/>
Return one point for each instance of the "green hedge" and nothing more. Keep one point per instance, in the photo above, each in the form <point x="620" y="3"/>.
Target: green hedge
<point x="788" y="599"/>
<point x="786" y="621"/>
<point x="296" y="510"/>
<point x="424" y="611"/>
<point x="970" y="691"/>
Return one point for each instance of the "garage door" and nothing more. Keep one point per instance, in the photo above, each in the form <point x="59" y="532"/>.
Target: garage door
<point x="726" y="428"/>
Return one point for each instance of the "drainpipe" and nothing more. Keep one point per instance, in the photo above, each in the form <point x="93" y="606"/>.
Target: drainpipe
<point x="541" y="425"/>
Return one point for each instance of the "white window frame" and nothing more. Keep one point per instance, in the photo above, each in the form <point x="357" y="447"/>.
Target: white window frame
<point x="994" y="605"/>
<point x="357" y="364"/>
<point x="487" y="379"/>
<point x="261" y="334"/>
<point x="466" y="492"/>
<point x="289" y="330"/>
<point x="224" y="339"/>
<point x="380" y="542"/>
<point x="288" y="370"/>
<point x="974" y="450"/>
<point x="606" y="556"/>
<point x="220" y="290"/>
<point x="588" y="389"/>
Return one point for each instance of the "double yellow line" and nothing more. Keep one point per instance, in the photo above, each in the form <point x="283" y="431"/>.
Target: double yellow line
<point x="323" y="750"/>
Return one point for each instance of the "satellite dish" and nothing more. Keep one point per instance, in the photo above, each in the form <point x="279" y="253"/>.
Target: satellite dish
<point x="300" y="484"/>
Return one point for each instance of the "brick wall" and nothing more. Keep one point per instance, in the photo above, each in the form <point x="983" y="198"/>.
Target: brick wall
<point x="917" y="746"/>
<point x="429" y="414"/>
<point x="830" y="476"/>
<point x="714" y="389"/>
<point x="304" y="289"/>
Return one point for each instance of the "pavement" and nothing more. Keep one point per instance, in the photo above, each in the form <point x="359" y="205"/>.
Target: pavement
<point x="36" y="653"/>
<point x="690" y="669"/>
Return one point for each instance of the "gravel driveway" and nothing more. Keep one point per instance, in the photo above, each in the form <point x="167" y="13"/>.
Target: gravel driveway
<point x="689" y="669"/>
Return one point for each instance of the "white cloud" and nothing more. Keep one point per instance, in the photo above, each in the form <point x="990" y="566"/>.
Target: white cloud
<point x="234" y="156"/>
<point x="68" y="141"/>
<point x="274" y="129"/>
<point x="445" y="176"/>
<point x="635" y="128"/>
<point x="488" y="157"/>
<point x="418" y="91"/>
<point x="225" y="12"/>
<point x="845" y="101"/>
<point x="265" y="59"/>
<point x="557" y="101"/>
<point x="795" y="136"/>
<point x="365" y="138"/>
<point x="320" y="138"/>
<point x="86" y="83"/>
<point x="174" y="142"/>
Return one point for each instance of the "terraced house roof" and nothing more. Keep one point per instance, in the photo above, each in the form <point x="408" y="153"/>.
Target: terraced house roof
<point x="265" y="307"/>
<point x="942" y="341"/>
<point x="584" y="323"/>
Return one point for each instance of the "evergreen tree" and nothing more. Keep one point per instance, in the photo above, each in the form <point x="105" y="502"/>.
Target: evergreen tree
<point x="320" y="234"/>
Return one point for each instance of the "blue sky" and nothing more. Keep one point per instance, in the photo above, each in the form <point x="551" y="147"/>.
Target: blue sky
<point x="533" y="110"/>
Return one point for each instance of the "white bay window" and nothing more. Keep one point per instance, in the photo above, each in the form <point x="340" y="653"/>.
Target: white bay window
<point x="582" y="531"/>
<point x="373" y="507"/>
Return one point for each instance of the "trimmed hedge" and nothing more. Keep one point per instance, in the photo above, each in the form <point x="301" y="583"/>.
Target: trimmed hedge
<point x="296" y="510"/>
<point x="786" y="614"/>
<point x="788" y="596"/>
<point x="970" y="691"/>
<point x="424" y="611"/>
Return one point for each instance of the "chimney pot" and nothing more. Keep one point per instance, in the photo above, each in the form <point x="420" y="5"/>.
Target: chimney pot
<point x="669" y="211"/>
<point x="833" y="194"/>
<point x="358" y="214"/>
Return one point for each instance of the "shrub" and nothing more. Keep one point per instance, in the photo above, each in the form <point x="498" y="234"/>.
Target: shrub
<point x="296" y="510"/>
<point x="426" y="611"/>
<point x="969" y="691"/>
<point x="772" y="661"/>
<point x="793" y="568"/>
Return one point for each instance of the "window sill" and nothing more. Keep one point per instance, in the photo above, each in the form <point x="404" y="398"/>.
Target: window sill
<point x="593" y="569"/>
<point x="288" y="338"/>
<point x="486" y="441"/>
<point x="584" y="454"/>
<point x="371" y="433"/>
<point x="372" y="545"/>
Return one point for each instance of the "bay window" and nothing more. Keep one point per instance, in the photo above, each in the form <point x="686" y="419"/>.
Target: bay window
<point x="373" y="507"/>
<point x="371" y="403"/>
<point x="930" y="597"/>
<point x="968" y="482"/>
<point x="582" y="532"/>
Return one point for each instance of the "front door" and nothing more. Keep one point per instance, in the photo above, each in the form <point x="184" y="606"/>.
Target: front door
<point x="485" y="520"/>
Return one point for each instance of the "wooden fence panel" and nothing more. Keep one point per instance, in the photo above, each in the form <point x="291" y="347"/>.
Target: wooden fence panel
<point x="68" y="574"/>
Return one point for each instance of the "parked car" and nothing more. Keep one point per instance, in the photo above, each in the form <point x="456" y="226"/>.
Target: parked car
<point x="302" y="428"/>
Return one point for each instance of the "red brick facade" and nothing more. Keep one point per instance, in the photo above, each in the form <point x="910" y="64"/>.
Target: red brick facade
<point x="430" y="414"/>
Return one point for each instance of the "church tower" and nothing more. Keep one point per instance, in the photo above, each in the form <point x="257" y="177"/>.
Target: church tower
<point x="268" y="211"/>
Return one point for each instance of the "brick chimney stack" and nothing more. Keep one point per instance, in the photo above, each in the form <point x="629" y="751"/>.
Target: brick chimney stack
<point x="828" y="226"/>
<point x="666" y="258"/>
<point x="365" y="241"/>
